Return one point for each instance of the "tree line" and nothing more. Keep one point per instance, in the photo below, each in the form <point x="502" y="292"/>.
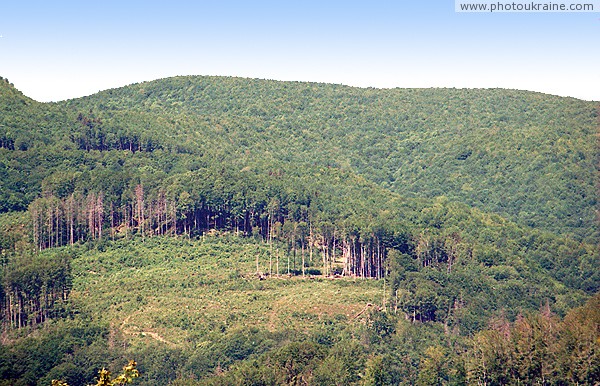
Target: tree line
<point x="441" y="259"/>
<point x="324" y="221"/>
<point x="309" y="235"/>
<point x="34" y="289"/>
<point x="91" y="134"/>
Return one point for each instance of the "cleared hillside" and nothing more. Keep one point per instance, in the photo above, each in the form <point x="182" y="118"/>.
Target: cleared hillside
<point x="196" y="312"/>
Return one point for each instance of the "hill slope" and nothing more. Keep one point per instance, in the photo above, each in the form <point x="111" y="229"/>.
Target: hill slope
<point x="195" y="310"/>
<point x="525" y="155"/>
<point x="160" y="220"/>
<point x="529" y="156"/>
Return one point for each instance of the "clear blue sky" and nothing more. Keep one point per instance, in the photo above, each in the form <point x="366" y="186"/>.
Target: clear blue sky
<point x="53" y="50"/>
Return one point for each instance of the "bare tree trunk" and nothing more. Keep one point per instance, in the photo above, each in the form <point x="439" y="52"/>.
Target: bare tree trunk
<point x="70" y="204"/>
<point x="33" y="209"/>
<point x="139" y="195"/>
<point x="56" y="211"/>
<point x="332" y="258"/>
<point x="90" y="208"/>
<point x="324" y="254"/>
<point x="310" y="245"/>
<point x="293" y="246"/>
<point x="99" y="213"/>
<point x="50" y="224"/>
<point x="257" y="255"/>
<point x="303" y="262"/>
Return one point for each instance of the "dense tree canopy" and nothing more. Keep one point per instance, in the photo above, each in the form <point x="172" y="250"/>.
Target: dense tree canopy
<point x="470" y="208"/>
<point x="463" y="144"/>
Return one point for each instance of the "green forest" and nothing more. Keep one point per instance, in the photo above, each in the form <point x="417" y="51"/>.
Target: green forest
<point x="227" y="231"/>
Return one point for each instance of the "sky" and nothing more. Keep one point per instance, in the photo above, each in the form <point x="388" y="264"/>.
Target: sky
<point x="56" y="50"/>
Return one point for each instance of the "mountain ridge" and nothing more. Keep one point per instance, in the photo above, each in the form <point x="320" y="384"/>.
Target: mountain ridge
<point x="317" y="83"/>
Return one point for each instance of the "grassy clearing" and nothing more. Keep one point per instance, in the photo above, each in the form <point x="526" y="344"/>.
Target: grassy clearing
<point x="180" y="292"/>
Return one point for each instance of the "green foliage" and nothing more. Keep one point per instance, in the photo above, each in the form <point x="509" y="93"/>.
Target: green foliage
<point x="539" y="348"/>
<point x="105" y="379"/>
<point x="460" y="143"/>
<point x="220" y="230"/>
<point x="434" y="367"/>
<point x="35" y="288"/>
<point x="463" y="144"/>
<point x="65" y="349"/>
<point x="154" y="306"/>
<point x="374" y="372"/>
<point x="343" y="364"/>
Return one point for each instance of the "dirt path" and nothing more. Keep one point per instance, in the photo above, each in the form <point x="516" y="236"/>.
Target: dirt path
<point x="134" y="330"/>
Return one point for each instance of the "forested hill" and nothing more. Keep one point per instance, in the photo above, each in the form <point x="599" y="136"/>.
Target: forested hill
<point x="528" y="156"/>
<point x="312" y="165"/>
<point x="226" y="230"/>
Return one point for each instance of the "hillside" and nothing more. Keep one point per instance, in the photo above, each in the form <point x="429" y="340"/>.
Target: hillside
<point x="222" y="229"/>
<point x="528" y="156"/>
<point x="194" y="312"/>
<point x="464" y="144"/>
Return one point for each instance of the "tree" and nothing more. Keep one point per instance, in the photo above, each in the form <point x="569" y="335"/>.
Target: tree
<point x="129" y="373"/>
<point x="433" y="370"/>
<point x="539" y="349"/>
